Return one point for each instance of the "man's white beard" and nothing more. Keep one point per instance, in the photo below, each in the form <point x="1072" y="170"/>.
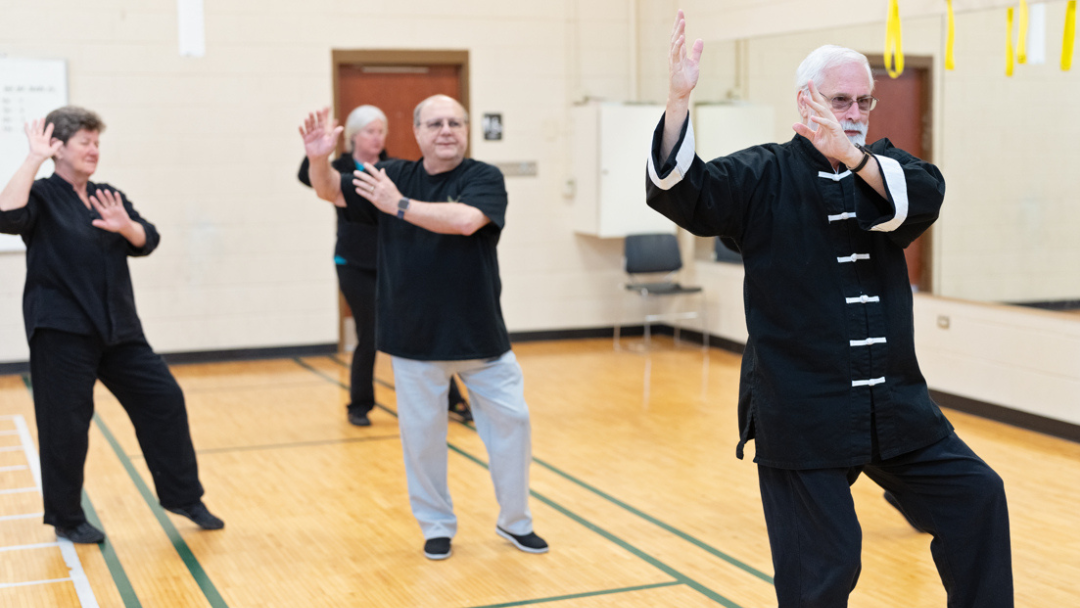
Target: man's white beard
<point x="850" y="125"/>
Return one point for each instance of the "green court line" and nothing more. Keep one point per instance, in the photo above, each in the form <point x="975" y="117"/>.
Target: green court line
<point x="675" y="574"/>
<point x="335" y="359"/>
<point x="326" y="377"/>
<point x="112" y="561"/>
<point x="123" y="585"/>
<point x="545" y="600"/>
<point x="683" y="535"/>
<point x="193" y="565"/>
<point x="649" y="518"/>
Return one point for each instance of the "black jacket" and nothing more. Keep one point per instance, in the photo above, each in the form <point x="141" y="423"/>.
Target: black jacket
<point x="829" y="374"/>
<point x="77" y="277"/>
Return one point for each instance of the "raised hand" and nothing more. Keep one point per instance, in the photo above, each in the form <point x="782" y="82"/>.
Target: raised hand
<point x="683" y="67"/>
<point x="39" y="135"/>
<point x="320" y="133"/>
<point x="110" y="207"/>
<point x="829" y="138"/>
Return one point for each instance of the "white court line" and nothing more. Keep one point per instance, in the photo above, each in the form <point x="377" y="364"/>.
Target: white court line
<point x="25" y="516"/>
<point x="67" y="549"/>
<point x="15" y="467"/>
<point x="25" y="547"/>
<point x="11" y="448"/>
<point x="6" y="433"/>
<point x="18" y="490"/>
<point x="51" y="580"/>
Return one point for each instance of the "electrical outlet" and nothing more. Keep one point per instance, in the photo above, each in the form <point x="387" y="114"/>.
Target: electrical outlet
<point x="943" y="322"/>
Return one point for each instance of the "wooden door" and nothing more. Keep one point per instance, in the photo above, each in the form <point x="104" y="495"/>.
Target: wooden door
<point x="903" y="115"/>
<point x="395" y="81"/>
<point x="395" y="89"/>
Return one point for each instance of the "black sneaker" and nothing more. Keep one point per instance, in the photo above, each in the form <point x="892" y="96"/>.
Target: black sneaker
<point x="529" y="543"/>
<point x="83" y="533"/>
<point x="460" y="411"/>
<point x="889" y="498"/>
<point x="199" y="514"/>
<point x="437" y="548"/>
<point x="359" y="419"/>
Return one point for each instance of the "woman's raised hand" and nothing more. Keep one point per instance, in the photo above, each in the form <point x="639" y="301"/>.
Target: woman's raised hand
<point x="320" y="133"/>
<point x="39" y="134"/>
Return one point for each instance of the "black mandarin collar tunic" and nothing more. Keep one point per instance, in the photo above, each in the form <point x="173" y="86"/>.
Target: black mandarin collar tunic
<point x="829" y="375"/>
<point x="77" y="277"/>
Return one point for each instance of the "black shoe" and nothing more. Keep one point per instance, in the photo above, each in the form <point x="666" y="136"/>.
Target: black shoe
<point x="529" y="543"/>
<point x="83" y="533"/>
<point x="359" y="419"/>
<point x="889" y="498"/>
<point x="199" y="514"/>
<point x="460" y="411"/>
<point x="437" y="548"/>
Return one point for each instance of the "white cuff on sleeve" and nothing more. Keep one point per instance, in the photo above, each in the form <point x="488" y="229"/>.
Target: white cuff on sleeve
<point x="684" y="157"/>
<point x="896" y="186"/>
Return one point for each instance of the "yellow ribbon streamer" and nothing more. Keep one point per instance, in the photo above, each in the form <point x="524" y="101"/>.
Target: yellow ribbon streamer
<point x="950" y="59"/>
<point x="894" y="50"/>
<point x="1021" y="34"/>
<point x="1070" y="36"/>
<point x="1009" y="45"/>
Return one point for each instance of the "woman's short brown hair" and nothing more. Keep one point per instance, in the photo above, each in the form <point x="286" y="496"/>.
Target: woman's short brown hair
<point x="68" y="120"/>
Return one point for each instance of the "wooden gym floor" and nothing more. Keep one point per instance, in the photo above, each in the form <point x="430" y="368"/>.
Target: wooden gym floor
<point x="643" y="502"/>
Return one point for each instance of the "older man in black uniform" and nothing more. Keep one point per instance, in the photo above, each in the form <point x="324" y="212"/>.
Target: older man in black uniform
<point x="830" y="384"/>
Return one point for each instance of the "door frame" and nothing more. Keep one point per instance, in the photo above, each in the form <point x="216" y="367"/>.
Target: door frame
<point x="925" y="63"/>
<point x="393" y="57"/>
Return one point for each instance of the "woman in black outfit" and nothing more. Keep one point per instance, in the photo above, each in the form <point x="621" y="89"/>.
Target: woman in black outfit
<point x="354" y="258"/>
<point x="80" y="317"/>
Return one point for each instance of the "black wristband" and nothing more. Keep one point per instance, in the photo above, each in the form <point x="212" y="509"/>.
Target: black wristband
<point x="862" y="163"/>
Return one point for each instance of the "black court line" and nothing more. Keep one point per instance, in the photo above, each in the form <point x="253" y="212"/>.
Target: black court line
<point x="675" y="574"/>
<point x="280" y="446"/>
<point x="637" y="512"/>
<point x="574" y="596"/>
<point x="249" y="387"/>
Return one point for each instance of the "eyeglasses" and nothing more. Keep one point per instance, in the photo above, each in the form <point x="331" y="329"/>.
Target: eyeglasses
<point x="437" y="125"/>
<point x="841" y="103"/>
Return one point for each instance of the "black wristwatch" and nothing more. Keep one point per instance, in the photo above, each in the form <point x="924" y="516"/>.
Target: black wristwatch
<point x="402" y="207"/>
<point x="865" y="159"/>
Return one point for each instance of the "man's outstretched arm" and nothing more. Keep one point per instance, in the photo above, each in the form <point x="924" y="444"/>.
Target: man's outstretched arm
<point x="444" y="218"/>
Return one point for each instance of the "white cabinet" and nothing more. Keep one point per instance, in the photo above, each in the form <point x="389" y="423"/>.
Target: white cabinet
<point x="723" y="128"/>
<point x="610" y="147"/>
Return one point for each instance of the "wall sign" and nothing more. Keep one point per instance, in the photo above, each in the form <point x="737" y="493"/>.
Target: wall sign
<point x="493" y="127"/>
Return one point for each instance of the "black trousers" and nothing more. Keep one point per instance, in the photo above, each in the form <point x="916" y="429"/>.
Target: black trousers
<point x="949" y="491"/>
<point x="64" y="367"/>
<point x="358" y="287"/>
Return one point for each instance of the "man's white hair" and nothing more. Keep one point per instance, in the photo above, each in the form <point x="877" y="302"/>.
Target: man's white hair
<point x="824" y="58"/>
<point x="360" y="118"/>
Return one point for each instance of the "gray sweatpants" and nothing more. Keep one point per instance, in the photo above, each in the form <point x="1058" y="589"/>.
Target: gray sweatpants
<point x="497" y="398"/>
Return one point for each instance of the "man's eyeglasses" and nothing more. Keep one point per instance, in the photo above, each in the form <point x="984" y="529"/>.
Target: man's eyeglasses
<point x="437" y="125"/>
<point x="841" y="103"/>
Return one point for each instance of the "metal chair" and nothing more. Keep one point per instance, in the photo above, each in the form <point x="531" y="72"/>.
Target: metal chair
<point x="652" y="254"/>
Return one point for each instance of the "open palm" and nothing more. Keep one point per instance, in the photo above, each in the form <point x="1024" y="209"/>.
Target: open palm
<point x="320" y="133"/>
<point x="110" y="207"/>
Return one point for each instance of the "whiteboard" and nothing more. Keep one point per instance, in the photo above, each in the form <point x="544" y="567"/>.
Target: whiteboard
<point x="29" y="89"/>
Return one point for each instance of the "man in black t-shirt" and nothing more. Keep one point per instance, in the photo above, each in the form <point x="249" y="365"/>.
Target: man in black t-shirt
<point x="437" y="307"/>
